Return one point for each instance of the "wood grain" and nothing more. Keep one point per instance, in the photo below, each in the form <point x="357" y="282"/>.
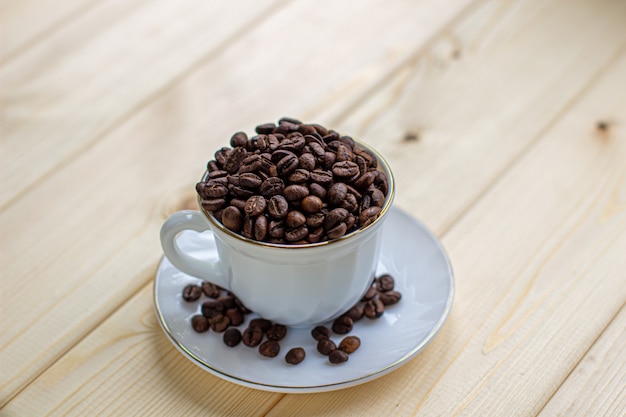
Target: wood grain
<point x="124" y="201"/>
<point x="538" y="262"/>
<point x="597" y="386"/>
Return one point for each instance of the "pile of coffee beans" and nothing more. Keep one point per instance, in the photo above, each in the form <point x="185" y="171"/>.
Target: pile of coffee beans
<point x="222" y="312"/>
<point x="293" y="183"/>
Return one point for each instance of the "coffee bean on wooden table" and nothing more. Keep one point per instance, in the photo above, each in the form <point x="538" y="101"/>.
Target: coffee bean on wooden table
<point x="295" y="355"/>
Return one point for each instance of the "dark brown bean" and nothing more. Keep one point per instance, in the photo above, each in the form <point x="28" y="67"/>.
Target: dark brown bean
<point x="219" y="323"/>
<point x="262" y="324"/>
<point x="295" y="356"/>
<point x="311" y="204"/>
<point x="349" y="344"/>
<point x="252" y="336"/>
<point x="338" y="356"/>
<point x="213" y="204"/>
<point x="276" y="229"/>
<point x="276" y="332"/>
<point x="265" y="128"/>
<point x="315" y="235"/>
<point x="212" y="308"/>
<point x="295" y="219"/>
<point x="250" y="180"/>
<point x="325" y="346"/>
<point x="239" y="139"/>
<point x="235" y="159"/>
<point x="295" y="235"/>
<point x="272" y="186"/>
<point x="366" y="217"/>
<point x="317" y="190"/>
<point x="299" y="176"/>
<point x="337" y="231"/>
<point x="255" y="205"/>
<point x="192" y="292"/>
<point x="320" y="332"/>
<point x="390" y="297"/>
<point x="288" y="164"/>
<point x="315" y="220"/>
<point x="252" y="163"/>
<point x="307" y="161"/>
<point x="235" y="315"/>
<point x="356" y="312"/>
<point x="278" y="207"/>
<point x="232" y="218"/>
<point x="260" y="228"/>
<point x="199" y="323"/>
<point x="337" y="193"/>
<point x="334" y="217"/>
<point x="211" y="290"/>
<point x="370" y="293"/>
<point x="215" y="189"/>
<point x="385" y="282"/>
<point x="295" y="192"/>
<point x="374" y="308"/>
<point x="269" y="348"/>
<point x="321" y="176"/>
<point x="232" y="337"/>
<point x="343" y="325"/>
<point x="345" y="169"/>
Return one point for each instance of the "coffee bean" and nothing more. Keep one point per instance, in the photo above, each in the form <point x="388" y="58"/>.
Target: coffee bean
<point x="217" y="174"/>
<point x="250" y="180"/>
<point x="252" y="336"/>
<point x="345" y="169"/>
<point x="311" y="204"/>
<point x="390" y="297"/>
<point x="299" y="176"/>
<point x="378" y="198"/>
<point x="344" y="153"/>
<point x="199" y="323"/>
<point x="334" y="217"/>
<point x="269" y="348"/>
<point x="255" y="205"/>
<point x="326" y="346"/>
<point x="232" y="337"/>
<point x="307" y="161"/>
<point x="338" y="356"/>
<point x="365" y="180"/>
<point x="219" y="323"/>
<point x="295" y="192"/>
<point x="212" y="308"/>
<point x="370" y="293"/>
<point x="248" y="226"/>
<point x="343" y="325"/>
<point x="235" y="316"/>
<point x="265" y="128"/>
<point x="321" y="177"/>
<point x="272" y="186"/>
<point x="262" y="324"/>
<point x="276" y="332"/>
<point x="337" y="193"/>
<point x="276" y="229"/>
<point x="238" y="139"/>
<point x="213" y="204"/>
<point x="337" y="231"/>
<point x="356" y="312"/>
<point x="295" y="219"/>
<point x="315" y="220"/>
<point x="295" y="356"/>
<point x="211" y="290"/>
<point x="240" y="203"/>
<point x="315" y="235"/>
<point x="385" y="282"/>
<point x="317" y="190"/>
<point x="349" y="344"/>
<point x="373" y="308"/>
<point x="251" y="163"/>
<point x="289" y="120"/>
<point x="192" y="292"/>
<point x="297" y="234"/>
<point x="215" y="189"/>
<point x="287" y="165"/>
<point x="235" y="159"/>
<point x="232" y="218"/>
<point x="278" y="207"/>
<point x="368" y="216"/>
<point x="260" y="228"/>
<point x="320" y="332"/>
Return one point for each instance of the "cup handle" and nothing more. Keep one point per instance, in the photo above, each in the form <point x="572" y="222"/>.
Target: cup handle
<point x="190" y="220"/>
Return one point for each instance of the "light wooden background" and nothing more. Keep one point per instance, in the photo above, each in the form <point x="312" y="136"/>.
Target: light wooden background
<point x="111" y="108"/>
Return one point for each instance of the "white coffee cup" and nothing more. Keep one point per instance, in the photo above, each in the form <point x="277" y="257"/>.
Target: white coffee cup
<point x="295" y="285"/>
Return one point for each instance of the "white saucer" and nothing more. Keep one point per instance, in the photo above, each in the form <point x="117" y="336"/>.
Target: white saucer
<point x="410" y="253"/>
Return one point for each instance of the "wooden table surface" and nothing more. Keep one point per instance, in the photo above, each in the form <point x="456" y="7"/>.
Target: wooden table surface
<point x="505" y="125"/>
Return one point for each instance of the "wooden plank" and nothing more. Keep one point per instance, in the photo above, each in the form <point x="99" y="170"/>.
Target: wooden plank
<point x="597" y="386"/>
<point x="71" y="267"/>
<point x="122" y="60"/>
<point x="539" y="265"/>
<point x="135" y="344"/>
<point x="476" y="86"/>
<point x="23" y="23"/>
<point x="421" y="379"/>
